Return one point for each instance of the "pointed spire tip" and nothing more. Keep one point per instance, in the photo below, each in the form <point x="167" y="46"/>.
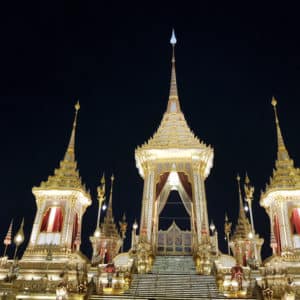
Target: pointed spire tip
<point x="274" y="101"/>
<point x="77" y="105"/>
<point x="173" y="39"/>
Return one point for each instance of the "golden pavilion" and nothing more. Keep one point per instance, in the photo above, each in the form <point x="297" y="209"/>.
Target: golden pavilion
<point x="171" y="263"/>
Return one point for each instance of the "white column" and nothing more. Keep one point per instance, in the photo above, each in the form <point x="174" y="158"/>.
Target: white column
<point x="287" y="225"/>
<point x="204" y="203"/>
<point x="150" y="196"/>
<point x="144" y="202"/>
<point x="283" y="227"/>
<point x="37" y="223"/>
<point x="197" y="201"/>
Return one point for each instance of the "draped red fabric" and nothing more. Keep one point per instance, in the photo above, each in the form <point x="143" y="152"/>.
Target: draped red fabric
<point x="106" y="257"/>
<point x="277" y="234"/>
<point x="244" y="260"/>
<point x="58" y="219"/>
<point x="186" y="184"/>
<point x="295" y="220"/>
<point x="45" y="221"/>
<point x="162" y="181"/>
<point x="75" y="229"/>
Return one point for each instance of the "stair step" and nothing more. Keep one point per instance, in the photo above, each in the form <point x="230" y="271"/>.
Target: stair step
<point x="174" y="277"/>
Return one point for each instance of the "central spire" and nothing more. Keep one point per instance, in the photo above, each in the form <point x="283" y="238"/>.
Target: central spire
<point x="173" y="103"/>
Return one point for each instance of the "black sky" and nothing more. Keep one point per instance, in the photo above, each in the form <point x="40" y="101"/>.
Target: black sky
<point x="116" y="60"/>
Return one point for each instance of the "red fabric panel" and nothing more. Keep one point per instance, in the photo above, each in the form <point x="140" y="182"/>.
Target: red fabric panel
<point x="58" y="220"/>
<point x="45" y="221"/>
<point x="277" y="234"/>
<point x="75" y="229"/>
<point x="162" y="181"/>
<point x="244" y="260"/>
<point x="184" y="179"/>
<point x="295" y="219"/>
<point x="106" y="257"/>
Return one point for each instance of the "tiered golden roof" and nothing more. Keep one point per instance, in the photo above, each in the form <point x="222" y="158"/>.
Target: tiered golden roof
<point x="66" y="176"/>
<point x="173" y="131"/>
<point x="243" y="227"/>
<point x="285" y="175"/>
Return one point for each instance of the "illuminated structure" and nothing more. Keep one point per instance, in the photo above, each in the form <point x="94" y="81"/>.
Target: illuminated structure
<point x="106" y="240"/>
<point x="173" y="159"/>
<point x="61" y="202"/>
<point x="245" y="244"/>
<point x="281" y="200"/>
<point x="161" y="264"/>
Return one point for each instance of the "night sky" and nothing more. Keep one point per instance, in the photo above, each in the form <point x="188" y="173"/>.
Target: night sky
<point x="116" y="60"/>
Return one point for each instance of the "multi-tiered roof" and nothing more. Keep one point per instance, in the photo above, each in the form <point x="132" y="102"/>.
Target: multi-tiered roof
<point x="173" y="138"/>
<point x="285" y="176"/>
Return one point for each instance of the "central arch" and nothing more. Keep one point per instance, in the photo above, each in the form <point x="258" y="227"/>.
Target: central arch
<point x="173" y="240"/>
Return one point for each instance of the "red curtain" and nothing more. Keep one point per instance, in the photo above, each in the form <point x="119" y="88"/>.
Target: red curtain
<point x="50" y="224"/>
<point x="186" y="184"/>
<point x="162" y="181"/>
<point x="74" y="232"/>
<point x="295" y="220"/>
<point x="45" y="221"/>
<point x="277" y="234"/>
<point x="58" y="219"/>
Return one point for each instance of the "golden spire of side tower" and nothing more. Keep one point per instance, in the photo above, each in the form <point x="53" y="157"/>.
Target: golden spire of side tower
<point x="282" y="153"/>
<point x="70" y="153"/>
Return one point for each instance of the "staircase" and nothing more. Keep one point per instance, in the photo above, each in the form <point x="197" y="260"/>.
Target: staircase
<point x="173" y="277"/>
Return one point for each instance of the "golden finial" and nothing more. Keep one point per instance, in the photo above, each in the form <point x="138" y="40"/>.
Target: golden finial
<point x="247" y="180"/>
<point x="123" y="228"/>
<point x="109" y="208"/>
<point x="77" y="106"/>
<point x="226" y="217"/>
<point x="102" y="181"/>
<point x="274" y="101"/>
<point x="227" y="231"/>
<point x="173" y="104"/>
<point x="242" y="212"/>
<point x="101" y="198"/>
<point x="101" y="190"/>
<point x="173" y="39"/>
<point x="249" y="191"/>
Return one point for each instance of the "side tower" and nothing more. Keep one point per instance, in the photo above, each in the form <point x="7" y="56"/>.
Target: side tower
<point x="244" y="243"/>
<point x="173" y="159"/>
<point x="281" y="200"/>
<point x="61" y="202"/>
<point x="106" y="241"/>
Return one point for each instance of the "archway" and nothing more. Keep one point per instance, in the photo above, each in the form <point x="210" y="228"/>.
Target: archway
<point x="174" y="217"/>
